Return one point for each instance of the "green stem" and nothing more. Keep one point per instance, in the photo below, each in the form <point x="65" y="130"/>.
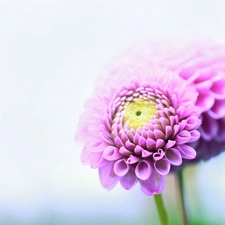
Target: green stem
<point x="161" y="209"/>
<point x="180" y="182"/>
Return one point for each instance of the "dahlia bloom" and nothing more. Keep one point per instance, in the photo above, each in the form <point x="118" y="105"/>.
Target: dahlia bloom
<point x="139" y="121"/>
<point x="202" y="64"/>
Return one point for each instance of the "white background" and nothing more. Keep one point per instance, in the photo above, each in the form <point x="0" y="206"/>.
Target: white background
<point x="50" y="53"/>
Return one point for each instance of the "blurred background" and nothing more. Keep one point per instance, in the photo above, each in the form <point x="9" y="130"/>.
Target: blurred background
<point x="50" y="53"/>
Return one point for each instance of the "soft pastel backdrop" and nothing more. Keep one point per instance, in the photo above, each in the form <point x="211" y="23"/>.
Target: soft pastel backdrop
<point x="50" y="53"/>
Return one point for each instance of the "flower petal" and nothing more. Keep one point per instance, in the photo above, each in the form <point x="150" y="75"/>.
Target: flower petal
<point x="154" y="184"/>
<point x="121" y="167"/>
<point x="205" y="101"/>
<point x="209" y="127"/>
<point x="162" y="166"/>
<point x="129" y="180"/>
<point x="183" y="137"/>
<point x="186" y="151"/>
<point x="143" y="170"/>
<point x="174" y="156"/>
<point x="111" y="153"/>
<point x="218" y="109"/>
<point x="158" y="155"/>
<point x="107" y="176"/>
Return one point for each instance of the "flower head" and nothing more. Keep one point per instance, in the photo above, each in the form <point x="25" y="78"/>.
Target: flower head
<point x="203" y="67"/>
<point x="201" y="63"/>
<point x="139" y="122"/>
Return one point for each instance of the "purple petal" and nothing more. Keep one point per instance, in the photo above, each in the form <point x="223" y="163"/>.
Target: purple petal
<point x="118" y="142"/>
<point x="143" y="170"/>
<point x="146" y="154"/>
<point x="133" y="159"/>
<point x="174" y="156"/>
<point x="138" y="150"/>
<point x="218" y="109"/>
<point x="121" y="167"/>
<point x="169" y="144"/>
<point x="158" y="155"/>
<point x="94" y="145"/>
<point x="97" y="160"/>
<point x="162" y="166"/>
<point x="129" y="180"/>
<point x="220" y="137"/>
<point x="153" y="185"/>
<point x="205" y="101"/>
<point x="192" y="123"/>
<point x="183" y="137"/>
<point x="159" y="134"/>
<point x="92" y="152"/>
<point x="186" y="151"/>
<point x="111" y="153"/>
<point x="195" y="135"/>
<point x="176" y="129"/>
<point x="130" y="146"/>
<point x="159" y="143"/>
<point x="124" y="151"/>
<point x="124" y="137"/>
<point x="136" y="138"/>
<point x="107" y="176"/>
<point x="169" y="132"/>
<point x="218" y="88"/>
<point x="204" y="85"/>
<point x="209" y="127"/>
<point x="150" y="144"/>
<point x="142" y="142"/>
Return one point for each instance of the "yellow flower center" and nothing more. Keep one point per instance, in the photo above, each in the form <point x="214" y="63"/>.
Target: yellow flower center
<point x="138" y="112"/>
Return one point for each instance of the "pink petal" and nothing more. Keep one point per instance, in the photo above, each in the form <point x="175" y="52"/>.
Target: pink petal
<point x="142" y="142"/>
<point x="158" y="155"/>
<point x="169" y="144"/>
<point x="146" y="153"/>
<point x="130" y="146"/>
<point x="129" y="180"/>
<point x="118" y="142"/>
<point x="124" y="151"/>
<point x="218" y="88"/>
<point x="218" y="109"/>
<point x="162" y="166"/>
<point x="220" y="137"/>
<point x="153" y="185"/>
<point x="205" y="101"/>
<point x="94" y="144"/>
<point x="111" y="153"/>
<point x="97" y="160"/>
<point x="143" y="170"/>
<point x="107" y="176"/>
<point x="186" y="151"/>
<point x="183" y="137"/>
<point x="138" y="150"/>
<point x="209" y="127"/>
<point x="192" y="122"/>
<point x="174" y="156"/>
<point x="195" y="135"/>
<point x="133" y="159"/>
<point x="121" y="167"/>
<point x="150" y="144"/>
<point x="159" y="143"/>
<point x="169" y="132"/>
<point x="92" y="152"/>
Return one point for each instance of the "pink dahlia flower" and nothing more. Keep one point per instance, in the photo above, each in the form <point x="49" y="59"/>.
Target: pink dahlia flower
<point x="139" y="121"/>
<point x="202" y="64"/>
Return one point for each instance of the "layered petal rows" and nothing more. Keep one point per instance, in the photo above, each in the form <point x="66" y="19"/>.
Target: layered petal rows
<point x="139" y="122"/>
<point x="203" y="66"/>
